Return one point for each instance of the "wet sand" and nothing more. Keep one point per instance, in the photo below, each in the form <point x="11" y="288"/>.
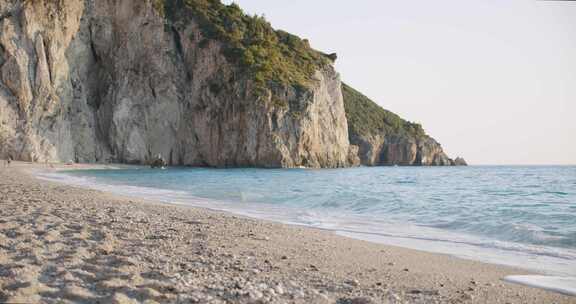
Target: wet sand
<point x="61" y="244"/>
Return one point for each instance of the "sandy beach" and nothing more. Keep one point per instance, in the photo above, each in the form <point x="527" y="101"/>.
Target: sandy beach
<point x="60" y="244"/>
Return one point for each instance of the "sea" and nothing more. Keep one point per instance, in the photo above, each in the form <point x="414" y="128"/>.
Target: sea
<point x="521" y="216"/>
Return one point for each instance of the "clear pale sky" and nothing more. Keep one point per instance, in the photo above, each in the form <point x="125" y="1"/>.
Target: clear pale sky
<point x="493" y="81"/>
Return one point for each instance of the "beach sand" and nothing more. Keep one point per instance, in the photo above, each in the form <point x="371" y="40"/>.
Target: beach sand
<point x="61" y="244"/>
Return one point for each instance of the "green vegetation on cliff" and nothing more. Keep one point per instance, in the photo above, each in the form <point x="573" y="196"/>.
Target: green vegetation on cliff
<point x="365" y="117"/>
<point x="268" y="55"/>
<point x="276" y="57"/>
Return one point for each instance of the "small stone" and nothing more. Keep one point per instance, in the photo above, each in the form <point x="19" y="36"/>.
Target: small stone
<point x="299" y="293"/>
<point x="352" y="282"/>
<point x="255" y="294"/>
<point x="150" y="292"/>
<point x="393" y="298"/>
<point x="279" y="289"/>
<point x="361" y="301"/>
<point x="77" y="292"/>
<point x="120" y="298"/>
<point x="263" y="286"/>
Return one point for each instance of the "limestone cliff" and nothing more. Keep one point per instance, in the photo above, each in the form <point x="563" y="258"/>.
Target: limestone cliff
<point x="122" y="81"/>
<point x="385" y="139"/>
<point x="196" y="81"/>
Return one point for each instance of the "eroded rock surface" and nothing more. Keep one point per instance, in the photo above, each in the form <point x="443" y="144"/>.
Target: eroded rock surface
<point x="120" y="81"/>
<point x="95" y="81"/>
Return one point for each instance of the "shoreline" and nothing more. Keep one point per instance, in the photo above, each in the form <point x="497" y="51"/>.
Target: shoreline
<point x="546" y="261"/>
<point x="228" y="258"/>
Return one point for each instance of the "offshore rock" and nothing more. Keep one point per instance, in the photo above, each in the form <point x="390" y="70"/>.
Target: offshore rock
<point x="459" y="161"/>
<point x="158" y="163"/>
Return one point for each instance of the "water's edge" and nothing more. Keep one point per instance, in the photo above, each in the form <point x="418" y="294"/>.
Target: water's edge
<point x="546" y="264"/>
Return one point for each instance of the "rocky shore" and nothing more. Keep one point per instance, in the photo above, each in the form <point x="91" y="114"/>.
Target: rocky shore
<point x="60" y="244"/>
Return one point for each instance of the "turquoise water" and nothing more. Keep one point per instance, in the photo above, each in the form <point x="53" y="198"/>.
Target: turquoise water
<point x="522" y="216"/>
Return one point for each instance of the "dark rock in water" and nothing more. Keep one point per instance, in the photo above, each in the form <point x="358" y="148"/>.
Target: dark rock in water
<point x="158" y="163"/>
<point x="459" y="161"/>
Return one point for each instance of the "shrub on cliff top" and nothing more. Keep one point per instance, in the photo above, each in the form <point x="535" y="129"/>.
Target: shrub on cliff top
<point x="159" y="7"/>
<point x="268" y="55"/>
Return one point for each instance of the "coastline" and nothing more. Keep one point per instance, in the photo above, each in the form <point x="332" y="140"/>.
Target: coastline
<point x="98" y="246"/>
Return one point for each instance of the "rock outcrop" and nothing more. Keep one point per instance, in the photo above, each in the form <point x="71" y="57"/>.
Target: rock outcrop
<point x="384" y="139"/>
<point x="459" y="161"/>
<point x="126" y="80"/>
<point x="389" y="150"/>
<point x="99" y="81"/>
<point x="158" y="163"/>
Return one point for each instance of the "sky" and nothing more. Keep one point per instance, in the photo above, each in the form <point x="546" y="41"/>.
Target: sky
<point x="493" y="81"/>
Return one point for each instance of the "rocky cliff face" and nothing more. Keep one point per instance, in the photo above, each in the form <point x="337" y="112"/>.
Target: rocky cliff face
<point x="389" y="150"/>
<point x="192" y="80"/>
<point x="96" y="81"/>
<point x="384" y="139"/>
